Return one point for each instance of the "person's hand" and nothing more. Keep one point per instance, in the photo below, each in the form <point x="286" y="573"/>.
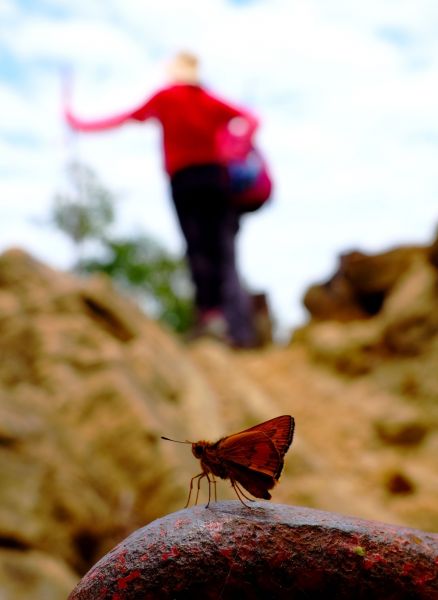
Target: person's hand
<point x="239" y="127"/>
<point x="70" y="119"/>
<point x="234" y="140"/>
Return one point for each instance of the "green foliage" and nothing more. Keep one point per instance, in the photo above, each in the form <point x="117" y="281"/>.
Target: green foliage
<point x="159" y="280"/>
<point x="138" y="264"/>
<point x="86" y="209"/>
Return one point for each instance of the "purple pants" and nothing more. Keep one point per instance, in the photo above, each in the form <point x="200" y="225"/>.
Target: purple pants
<point x="210" y="223"/>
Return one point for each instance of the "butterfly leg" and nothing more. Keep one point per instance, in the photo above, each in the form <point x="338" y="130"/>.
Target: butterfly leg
<point x="211" y="481"/>
<point x="198" y="477"/>
<point x="215" y="491"/>
<point x="243" y="493"/>
<point x="239" y="493"/>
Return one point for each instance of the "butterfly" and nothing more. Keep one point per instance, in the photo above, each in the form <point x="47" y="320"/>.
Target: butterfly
<point x="251" y="459"/>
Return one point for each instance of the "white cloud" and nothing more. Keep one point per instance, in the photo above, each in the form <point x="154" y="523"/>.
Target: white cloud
<point x="42" y="38"/>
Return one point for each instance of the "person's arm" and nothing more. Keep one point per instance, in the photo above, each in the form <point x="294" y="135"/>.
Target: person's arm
<point x="96" y="125"/>
<point x="141" y="113"/>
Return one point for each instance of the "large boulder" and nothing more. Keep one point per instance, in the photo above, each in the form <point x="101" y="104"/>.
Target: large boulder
<point x="389" y="310"/>
<point x="267" y="551"/>
<point x="361" y="283"/>
<point x="26" y="574"/>
<point x="88" y="385"/>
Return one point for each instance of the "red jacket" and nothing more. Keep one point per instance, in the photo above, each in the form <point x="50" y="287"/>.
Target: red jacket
<point x="191" y="120"/>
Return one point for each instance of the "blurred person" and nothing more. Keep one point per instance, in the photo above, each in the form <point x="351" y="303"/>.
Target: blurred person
<point x="196" y="151"/>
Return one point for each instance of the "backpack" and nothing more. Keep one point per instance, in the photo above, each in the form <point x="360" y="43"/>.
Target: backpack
<point x="249" y="177"/>
<point x="250" y="181"/>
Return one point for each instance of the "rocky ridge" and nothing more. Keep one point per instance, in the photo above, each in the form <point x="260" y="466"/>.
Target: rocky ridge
<point x="88" y="385"/>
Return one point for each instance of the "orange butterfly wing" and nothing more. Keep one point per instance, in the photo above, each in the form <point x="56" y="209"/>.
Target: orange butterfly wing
<point x="279" y="430"/>
<point x="252" y="450"/>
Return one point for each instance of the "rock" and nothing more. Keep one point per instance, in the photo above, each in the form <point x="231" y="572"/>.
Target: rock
<point x="401" y="430"/>
<point x="267" y="551"/>
<point x="379" y="273"/>
<point x="433" y="251"/>
<point x="26" y="574"/>
<point x="409" y="318"/>
<point x="263" y="320"/>
<point x="88" y="385"/>
<point x="361" y="284"/>
<point x="405" y="324"/>
<point x="350" y="348"/>
<point x="217" y="362"/>
<point x="397" y="482"/>
<point x="335" y="300"/>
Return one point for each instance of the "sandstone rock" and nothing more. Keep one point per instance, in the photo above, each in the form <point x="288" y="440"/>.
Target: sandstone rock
<point x="402" y="430"/>
<point x="350" y="348"/>
<point x="361" y="284"/>
<point x="397" y="482"/>
<point x="26" y="574"/>
<point x="334" y="299"/>
<point x="88" y="385"/>
<point x="379" y="273"/>
<point x="410" y="317"/>
<point x="405" y="325"/>
<point x="232" y="386"/>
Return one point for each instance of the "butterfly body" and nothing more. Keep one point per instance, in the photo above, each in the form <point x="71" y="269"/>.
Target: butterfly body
<point x="208" y="455"/>
<point x="251" y="459"/>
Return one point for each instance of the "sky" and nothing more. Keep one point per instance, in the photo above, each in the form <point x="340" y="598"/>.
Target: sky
<point x="347" y="94"/>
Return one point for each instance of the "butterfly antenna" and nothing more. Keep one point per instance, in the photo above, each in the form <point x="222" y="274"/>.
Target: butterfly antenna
<point x="176" y="441"/>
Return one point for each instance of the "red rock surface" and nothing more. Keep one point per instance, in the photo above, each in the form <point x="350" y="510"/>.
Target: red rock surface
<point x="269" y="551"/>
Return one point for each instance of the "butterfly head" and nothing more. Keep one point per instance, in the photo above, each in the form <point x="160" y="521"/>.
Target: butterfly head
<point x="198" y="449"/>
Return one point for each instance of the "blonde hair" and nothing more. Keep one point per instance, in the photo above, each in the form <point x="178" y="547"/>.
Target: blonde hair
<point x="184" y="68"/>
